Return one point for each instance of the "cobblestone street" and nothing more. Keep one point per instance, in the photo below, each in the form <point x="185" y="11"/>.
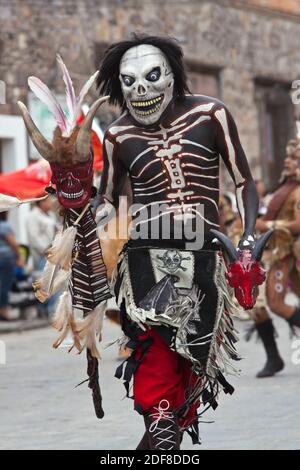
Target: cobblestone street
<point x="41" y="409"/>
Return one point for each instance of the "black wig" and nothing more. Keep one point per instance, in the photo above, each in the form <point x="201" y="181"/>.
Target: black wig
<point x="108" y="80"/>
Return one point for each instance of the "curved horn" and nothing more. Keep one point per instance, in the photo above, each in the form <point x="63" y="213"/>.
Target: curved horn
<point x="260" y="245"/>
<point x="226" y="244"/>
<point x="83" y="141"/>
<point x="42" y="145"/>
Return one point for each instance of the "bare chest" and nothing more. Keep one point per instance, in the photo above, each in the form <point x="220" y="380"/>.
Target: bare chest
<point x="178" y="160"/>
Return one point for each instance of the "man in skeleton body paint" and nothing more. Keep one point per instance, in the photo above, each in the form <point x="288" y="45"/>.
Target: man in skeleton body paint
<point x="175" y="303"/>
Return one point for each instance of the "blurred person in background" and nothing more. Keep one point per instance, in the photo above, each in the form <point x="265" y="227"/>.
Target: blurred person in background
<point x="264" y="197"/>
<point x="260" y="188"/>
<point x="282" y="258"/>
<point x="41" y="229"/>
<point x="9" y="259"/>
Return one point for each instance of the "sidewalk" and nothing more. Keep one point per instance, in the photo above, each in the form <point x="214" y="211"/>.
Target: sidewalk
<point x="42" y="409"/>
<point x="22" y="325"/>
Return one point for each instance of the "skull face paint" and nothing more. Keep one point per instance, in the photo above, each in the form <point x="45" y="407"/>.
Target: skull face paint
<point x="147" y="83"/>
<point x="73" y="183"/>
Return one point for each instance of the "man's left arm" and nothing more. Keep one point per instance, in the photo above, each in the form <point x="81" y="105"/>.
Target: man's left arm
<point x="233" y="155"/>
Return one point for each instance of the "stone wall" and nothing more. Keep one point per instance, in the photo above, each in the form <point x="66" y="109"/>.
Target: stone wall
<point x="242" y="43"/>
<point x="291" y="7"/>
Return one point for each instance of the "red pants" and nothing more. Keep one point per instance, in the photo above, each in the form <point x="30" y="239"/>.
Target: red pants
<point x="162" y="375"/>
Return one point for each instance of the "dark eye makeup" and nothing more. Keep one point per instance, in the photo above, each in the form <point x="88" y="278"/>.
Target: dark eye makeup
<point x="127" y="80"/>
<point x="154" y="75"/>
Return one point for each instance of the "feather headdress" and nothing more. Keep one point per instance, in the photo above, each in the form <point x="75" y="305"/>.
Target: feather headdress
<point x="66" y="122"/>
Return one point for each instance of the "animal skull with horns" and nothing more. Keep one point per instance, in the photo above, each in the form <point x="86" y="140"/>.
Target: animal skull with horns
<point x="69" y="155"/>
<point x="244" y="272"/>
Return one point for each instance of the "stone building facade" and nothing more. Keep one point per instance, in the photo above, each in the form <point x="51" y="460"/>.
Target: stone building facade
<point x="246" y="52"/>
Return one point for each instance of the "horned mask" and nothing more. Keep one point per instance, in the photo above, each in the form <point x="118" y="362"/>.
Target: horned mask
<point x="69" y="154"/>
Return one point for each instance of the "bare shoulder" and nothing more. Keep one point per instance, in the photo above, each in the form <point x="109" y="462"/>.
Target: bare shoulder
<point x="198" y="100"/>
<point x="118" y="125"/>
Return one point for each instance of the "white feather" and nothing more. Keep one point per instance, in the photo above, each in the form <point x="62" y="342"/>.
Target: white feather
<point x="42" y="92"/>
<point x="61" y="250"/>
<point x="84" y="90"/>
<point x="8" y="202"/>
<point x="61" y="280"/>
<point x="64" y="320"/>
<point x="43" y="284"/>
<point x="70" y="93"/>
<point x="89" y="329"/>
<point x="51" y="281"/>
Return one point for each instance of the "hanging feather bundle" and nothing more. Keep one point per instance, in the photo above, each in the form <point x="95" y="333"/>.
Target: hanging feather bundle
<point x="61" y="250"/>
<point x="51" y="281"/>
<point x="89" y="329"/>
<point x="85" y="332"/>
<point x="42" y="286"/>
<point x="60" y="253"/>
<point x="75" y="239"/>
<point x="64" y="321"/>
<point x="60" y="281"/>
<point x="64" y="311"/>
<point x="9" y="202"/>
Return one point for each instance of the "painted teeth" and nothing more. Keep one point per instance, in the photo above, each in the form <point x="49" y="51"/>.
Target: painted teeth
<point x="72" y="195"/>
<point x="150" y="111"/>
<point x="140" y="104"/>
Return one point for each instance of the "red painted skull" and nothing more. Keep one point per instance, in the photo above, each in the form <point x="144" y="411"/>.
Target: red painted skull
<point x="73" y="183"/>
<point x="245" y="276"/>
<point x="244" y="271"/>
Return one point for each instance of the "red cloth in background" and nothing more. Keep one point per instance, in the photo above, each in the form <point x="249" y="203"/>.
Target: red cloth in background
<point x="27" y="183"/>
